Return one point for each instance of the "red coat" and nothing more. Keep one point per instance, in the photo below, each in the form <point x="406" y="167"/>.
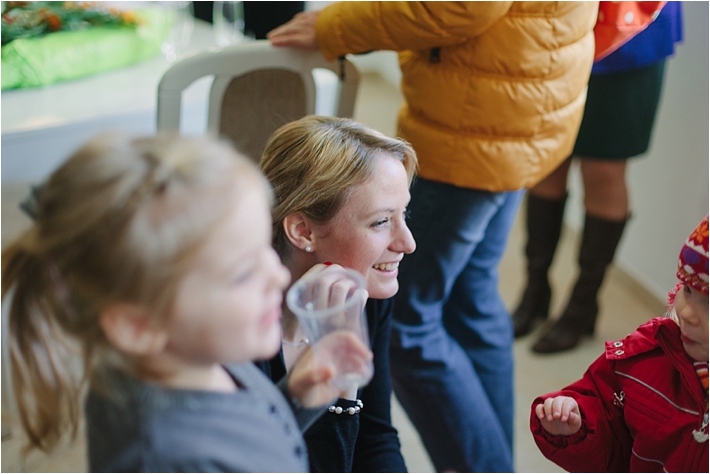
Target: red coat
<point x="640" y="403"/>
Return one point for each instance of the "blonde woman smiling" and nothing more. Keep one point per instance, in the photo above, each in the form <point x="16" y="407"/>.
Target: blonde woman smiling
<point x="341" y="192"/>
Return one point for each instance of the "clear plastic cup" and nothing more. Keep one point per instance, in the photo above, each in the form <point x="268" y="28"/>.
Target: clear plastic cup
<point x="330" y="307"/>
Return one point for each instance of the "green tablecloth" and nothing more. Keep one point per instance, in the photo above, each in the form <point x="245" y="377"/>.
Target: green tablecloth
<point x="34" y="62"/>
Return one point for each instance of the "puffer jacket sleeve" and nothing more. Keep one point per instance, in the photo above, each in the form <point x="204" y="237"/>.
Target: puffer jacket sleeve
<point x="360" y="27"/>
<point x="603" y="443"/>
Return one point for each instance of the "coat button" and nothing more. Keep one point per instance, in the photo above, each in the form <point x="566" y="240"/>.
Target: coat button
<point x="619" y="352"/>
<point x="618" y="344"/>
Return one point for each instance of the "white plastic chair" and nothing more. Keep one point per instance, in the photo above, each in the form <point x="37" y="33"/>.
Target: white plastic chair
<point x="257" y="88"/>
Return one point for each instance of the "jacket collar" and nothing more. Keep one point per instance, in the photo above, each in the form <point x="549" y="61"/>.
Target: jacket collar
<point x="646" y="338"/>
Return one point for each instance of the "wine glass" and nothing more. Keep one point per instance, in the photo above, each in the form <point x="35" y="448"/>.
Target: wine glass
<point x="228" y="22"/>
<point x="180" y="17"/>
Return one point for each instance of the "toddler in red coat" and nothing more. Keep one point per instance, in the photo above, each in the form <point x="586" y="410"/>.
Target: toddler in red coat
<point x="642" y="406"/>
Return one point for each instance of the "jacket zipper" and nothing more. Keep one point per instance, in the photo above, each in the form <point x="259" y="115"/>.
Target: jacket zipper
<point x="699" y="399"/>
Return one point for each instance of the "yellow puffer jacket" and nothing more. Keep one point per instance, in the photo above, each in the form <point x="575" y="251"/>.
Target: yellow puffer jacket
<point x="494" y="90"/>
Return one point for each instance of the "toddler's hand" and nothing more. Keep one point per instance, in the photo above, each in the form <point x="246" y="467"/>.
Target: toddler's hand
<point x="559" y="416"/>
<point x="309" y="380"/>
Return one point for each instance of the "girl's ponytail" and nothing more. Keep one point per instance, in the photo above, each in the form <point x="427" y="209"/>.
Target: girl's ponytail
<point x="47" y="376"/>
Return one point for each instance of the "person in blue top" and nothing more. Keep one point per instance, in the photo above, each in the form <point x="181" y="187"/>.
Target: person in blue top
<point x="622" y="99"/>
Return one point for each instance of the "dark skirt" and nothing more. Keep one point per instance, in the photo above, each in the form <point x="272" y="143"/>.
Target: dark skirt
<point x="619" y="113"/>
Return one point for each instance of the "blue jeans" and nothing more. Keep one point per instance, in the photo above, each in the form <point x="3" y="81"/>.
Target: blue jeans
<point x="452" y="337"/>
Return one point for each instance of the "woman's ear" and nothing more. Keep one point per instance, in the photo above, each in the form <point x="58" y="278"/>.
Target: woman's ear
<point x="129" y="328"/>
<point x="299" y="232"/>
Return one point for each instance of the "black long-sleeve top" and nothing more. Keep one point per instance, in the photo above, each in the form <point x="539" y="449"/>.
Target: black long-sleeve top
<point x="364" y="442"/>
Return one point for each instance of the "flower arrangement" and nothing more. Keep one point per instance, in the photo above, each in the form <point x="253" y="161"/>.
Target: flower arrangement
<point x="34" y="19"/>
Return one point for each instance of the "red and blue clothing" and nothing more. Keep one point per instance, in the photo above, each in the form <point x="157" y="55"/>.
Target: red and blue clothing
<point x="653" y="44"/>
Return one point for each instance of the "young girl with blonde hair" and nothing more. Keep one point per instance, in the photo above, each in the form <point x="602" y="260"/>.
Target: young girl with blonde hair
<point x="153" y="258"/>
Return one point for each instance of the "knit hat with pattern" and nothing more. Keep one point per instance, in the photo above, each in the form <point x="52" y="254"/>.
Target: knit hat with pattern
<point x="693" y="259"/>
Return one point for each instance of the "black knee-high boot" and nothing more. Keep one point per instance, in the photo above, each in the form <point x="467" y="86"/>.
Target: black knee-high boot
<point x="599" y="241"/>
<point x="544" y="223"/>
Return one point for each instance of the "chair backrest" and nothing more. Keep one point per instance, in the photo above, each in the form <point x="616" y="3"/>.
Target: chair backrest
<point x="256" y="89"/>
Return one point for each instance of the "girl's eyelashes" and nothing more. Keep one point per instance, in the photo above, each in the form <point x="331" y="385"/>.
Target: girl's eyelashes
<point x="686" y="289"/>
<point x="406" y="214"/>
<point x="243" y="275"/>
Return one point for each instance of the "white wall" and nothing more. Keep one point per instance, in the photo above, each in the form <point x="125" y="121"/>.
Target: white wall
<point x="669" y="185"/>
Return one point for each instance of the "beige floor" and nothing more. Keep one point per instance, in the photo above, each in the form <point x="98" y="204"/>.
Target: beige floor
<point x="623" y="306"/>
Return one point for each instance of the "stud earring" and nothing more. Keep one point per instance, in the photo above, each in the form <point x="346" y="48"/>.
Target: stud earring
<point x="308" y="248"/>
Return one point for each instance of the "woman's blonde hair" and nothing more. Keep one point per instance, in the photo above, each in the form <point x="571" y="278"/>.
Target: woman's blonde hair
<point x="120" y="222"/>
<point x="313" y="164"/>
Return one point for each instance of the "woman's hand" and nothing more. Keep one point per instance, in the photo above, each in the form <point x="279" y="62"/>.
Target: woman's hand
<point x="559" y="416"/>
<point x="331" y="290"/>
<point x="297" y="33"/>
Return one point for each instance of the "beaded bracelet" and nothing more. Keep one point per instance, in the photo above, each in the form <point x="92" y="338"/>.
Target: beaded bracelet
<point x="349" y="411"/>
